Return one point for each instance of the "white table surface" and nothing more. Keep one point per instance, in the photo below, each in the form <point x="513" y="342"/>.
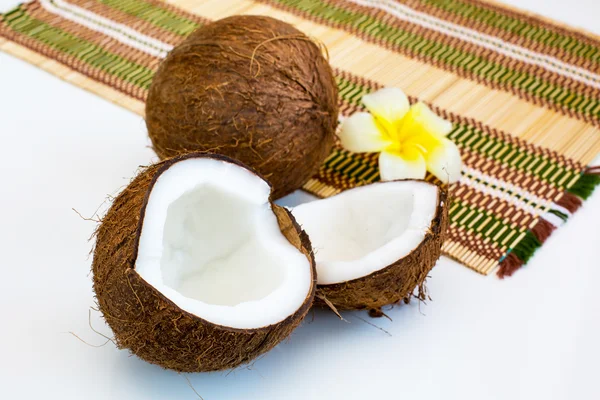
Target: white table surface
<point x="534" y="336"/>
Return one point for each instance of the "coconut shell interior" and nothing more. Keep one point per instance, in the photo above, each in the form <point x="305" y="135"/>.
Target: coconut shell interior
<point x="149" y="324"/>
<point x="397" y="281"/>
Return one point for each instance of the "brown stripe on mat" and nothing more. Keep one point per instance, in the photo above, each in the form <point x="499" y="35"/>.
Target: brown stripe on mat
<point x="510" y="37"/>
<point x="494" y="205"/>
<point x="474" y="241"/>
<point x="73" y="63"/>
<point x="487" y="54"/>
<point x="537" y="19"/>
<point x="95" y="37"/>
<point x="506" y="173"/>
<point x="506" y="138"/>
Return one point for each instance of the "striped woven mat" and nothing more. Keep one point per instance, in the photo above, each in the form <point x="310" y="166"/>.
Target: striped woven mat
<point x="523" y="93"/>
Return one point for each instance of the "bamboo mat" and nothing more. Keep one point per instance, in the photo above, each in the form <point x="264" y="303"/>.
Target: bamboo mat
<point x="522" y="92"/>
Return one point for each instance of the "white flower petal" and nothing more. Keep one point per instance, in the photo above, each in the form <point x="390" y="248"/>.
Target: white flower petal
<point x="360" y="133"/>
<point x="389" y="105"/>
<point x="428" y="121"/>
<point x="393" y="166"/>
<point x="444" y="161"/>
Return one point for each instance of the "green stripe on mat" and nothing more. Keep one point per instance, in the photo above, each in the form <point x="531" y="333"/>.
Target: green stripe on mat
<point x="496" y="229"/>
<point x="585" y="185"/>
<point x="340" y="157"/>
<point x="516" y="26"/>
<point x="19" y="21"/>
<point x="559" y="214"/>
<point x="156" y="15"/>
<point x="509" y="192"/>
<point x="526" y="247"/>
<point x="511" y="155"/>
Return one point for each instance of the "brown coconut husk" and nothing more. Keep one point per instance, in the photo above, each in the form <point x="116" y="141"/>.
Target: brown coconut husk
<point x="149" y="324"/>
<point x="250" y="87"/>
<point x="395" y="282"/>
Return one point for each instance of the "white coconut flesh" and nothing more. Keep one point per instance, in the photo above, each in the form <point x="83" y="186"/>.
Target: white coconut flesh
<point x="363" y="230"/>
<point x="211" y="243"/>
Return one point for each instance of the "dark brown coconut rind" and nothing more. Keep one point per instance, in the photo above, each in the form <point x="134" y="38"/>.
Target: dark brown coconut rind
<point x="147" y="323"/>
<point x="395" y="282"/>
<point x="253" y="88"/>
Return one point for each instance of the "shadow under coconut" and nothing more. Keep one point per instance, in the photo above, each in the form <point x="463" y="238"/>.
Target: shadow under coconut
<point x="321" y="333"/>
<point x="268" y="373"/>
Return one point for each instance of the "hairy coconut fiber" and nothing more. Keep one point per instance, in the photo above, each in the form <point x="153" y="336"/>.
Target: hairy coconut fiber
<point x="252" y="88"/>
<point x="395" y="282"/>
<point x="147" y="323"/>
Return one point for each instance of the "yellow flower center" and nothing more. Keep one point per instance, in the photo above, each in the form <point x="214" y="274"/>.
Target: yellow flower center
<point x="407" y="135"/>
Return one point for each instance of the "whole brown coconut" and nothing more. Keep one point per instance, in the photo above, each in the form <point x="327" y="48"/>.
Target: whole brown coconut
<point x="147" y="322"/>
<point x="250" y="87"/>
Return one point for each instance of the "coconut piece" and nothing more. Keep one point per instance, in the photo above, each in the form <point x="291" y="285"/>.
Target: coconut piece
<point x="375" y="244"/>
<point x="194" y="268"/>
<point x="250" y="87"/>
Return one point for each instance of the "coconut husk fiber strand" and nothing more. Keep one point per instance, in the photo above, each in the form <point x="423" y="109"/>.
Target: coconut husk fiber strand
<point x="525" y="114"/>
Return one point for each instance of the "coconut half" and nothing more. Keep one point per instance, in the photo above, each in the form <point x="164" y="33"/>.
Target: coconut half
<point x="376" y="243"/>
<point x="196" y="270"/>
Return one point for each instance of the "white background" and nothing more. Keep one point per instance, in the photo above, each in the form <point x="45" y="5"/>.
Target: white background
<point x="534" y="336"/>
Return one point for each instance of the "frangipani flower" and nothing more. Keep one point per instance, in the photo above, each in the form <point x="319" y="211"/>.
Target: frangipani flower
<point x="411" y="139"/>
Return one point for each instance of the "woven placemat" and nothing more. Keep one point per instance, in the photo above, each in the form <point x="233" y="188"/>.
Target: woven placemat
<point x="522" y="92"/>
